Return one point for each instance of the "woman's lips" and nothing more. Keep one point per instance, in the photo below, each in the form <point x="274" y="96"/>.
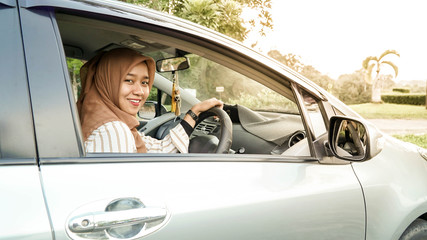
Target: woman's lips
<point x="135" y="102"/>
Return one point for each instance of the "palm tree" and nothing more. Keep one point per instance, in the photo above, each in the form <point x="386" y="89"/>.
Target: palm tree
<point x="377" y="63"/>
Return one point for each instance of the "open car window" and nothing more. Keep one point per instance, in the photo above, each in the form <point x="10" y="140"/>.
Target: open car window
<point x="206" y="79"/>
<point x="265" y="114"/>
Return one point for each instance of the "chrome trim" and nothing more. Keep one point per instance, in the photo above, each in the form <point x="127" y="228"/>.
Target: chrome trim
<point x="17" y="161"/>
<point x="92" y="158"/>
<point x="95" y="221"/>
<point x="98" y="221"/>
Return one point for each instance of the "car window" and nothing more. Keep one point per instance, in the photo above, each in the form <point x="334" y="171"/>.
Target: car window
<point x="265" y="114"/>
<point x="207" y="79"/>
<point x="314" y="113"/>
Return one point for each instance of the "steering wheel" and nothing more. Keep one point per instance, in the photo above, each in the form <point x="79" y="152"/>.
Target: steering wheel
<point x="210" y="143"/>
<point x="355" y="138"/>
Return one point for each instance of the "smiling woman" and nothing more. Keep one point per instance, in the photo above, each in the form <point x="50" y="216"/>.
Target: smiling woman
<point x="115" y="85"/>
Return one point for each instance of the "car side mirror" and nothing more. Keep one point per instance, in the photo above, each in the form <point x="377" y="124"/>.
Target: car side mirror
<point x="353" y="140"/>
<point x="149" y="110"/>
<point x="172" y="64"/>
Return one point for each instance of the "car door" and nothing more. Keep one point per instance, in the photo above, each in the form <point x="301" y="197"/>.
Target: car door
<point x="170" y="196"/>
<point x="22" y="207"/>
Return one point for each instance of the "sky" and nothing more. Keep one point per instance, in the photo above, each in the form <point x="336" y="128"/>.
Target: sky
<point x="335" y="36"/>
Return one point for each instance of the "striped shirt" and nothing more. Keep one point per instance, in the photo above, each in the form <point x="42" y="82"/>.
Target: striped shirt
<point x="116" y="137"/>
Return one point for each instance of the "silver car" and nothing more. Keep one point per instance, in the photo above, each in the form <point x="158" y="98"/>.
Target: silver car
<point x="283" y="160"/>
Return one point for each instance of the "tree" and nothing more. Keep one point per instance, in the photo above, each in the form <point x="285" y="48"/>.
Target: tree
<point x="294" y="61"/>
<point x="352" y="88"/>
<point x="223" y="16"/>
<point x="371" y="63"/>
<point x="74" y="66"/>
<point x="291" y="60"/>
<point x="317" y="77"/>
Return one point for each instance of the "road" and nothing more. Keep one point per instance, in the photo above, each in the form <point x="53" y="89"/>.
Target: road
<point x="401" y="126"/>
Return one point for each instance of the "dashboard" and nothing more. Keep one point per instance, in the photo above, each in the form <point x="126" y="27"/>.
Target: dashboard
<point x="246" y="140"/>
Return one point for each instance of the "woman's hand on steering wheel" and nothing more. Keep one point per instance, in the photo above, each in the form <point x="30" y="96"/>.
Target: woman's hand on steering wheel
<point x="201" y="107"/>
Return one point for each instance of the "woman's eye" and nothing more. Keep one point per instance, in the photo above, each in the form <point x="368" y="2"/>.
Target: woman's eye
<point x="129" y="80"/>
<point x="144" y="82"/>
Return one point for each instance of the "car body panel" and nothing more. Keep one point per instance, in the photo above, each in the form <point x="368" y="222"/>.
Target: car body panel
<point x="22" y="207"/>
<point x="9" y="3"/>
<point x="395" y="187"/>
<point x="81" y="181"/>
<point x="219" y="200"/>
<point x="45" y="175"/>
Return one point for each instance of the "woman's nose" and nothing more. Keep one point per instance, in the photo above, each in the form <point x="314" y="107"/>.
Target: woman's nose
<point x="137" y="90"/>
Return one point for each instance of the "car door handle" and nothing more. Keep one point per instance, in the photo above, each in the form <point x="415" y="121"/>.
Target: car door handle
<point x="120" y="218"/>
<point x="99" y="221"/>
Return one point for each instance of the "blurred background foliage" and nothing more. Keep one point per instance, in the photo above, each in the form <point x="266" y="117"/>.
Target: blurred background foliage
<point x="226" y="16"/>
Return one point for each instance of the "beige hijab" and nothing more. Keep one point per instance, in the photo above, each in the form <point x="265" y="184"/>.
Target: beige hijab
<point x="99" y="100"/>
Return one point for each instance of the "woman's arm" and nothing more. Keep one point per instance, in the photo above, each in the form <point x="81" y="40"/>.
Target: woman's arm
<point x="201" y="107"/>
<point x="178" y="138"/>
<point x="176" y="141"/>
<point x="111" y="137"/>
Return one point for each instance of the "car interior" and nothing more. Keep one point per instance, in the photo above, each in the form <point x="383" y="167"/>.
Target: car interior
<point x="264" y="115"/>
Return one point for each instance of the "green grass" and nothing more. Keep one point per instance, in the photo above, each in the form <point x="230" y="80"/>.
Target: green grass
<point x="390" y="111"/>
<point x="420" y="140"/>
<point x="395" y="111"/>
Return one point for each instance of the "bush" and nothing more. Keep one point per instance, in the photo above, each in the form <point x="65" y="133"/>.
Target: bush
<point x="352" y="89"/>
<point x="410" y="99"/>
<point x="401" y="90"/>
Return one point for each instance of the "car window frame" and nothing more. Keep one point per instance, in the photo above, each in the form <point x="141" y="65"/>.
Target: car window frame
<point x="17" y="140"/>
<point x="56" y="136"/>
<point x="276" y="80"/>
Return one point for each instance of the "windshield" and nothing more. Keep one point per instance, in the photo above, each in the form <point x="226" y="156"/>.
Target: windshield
<point x="206" y="79"/>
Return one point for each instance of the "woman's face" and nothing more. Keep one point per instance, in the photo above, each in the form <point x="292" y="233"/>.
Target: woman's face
<point x="134" y="89"/>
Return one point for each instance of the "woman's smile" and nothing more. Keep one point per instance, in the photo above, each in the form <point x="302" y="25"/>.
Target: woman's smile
<point x="135" y="102"/>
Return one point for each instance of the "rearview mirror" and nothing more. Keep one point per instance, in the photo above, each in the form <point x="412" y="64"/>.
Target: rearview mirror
<point x="350" y="139"/>
<point x="172" y="64"/>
